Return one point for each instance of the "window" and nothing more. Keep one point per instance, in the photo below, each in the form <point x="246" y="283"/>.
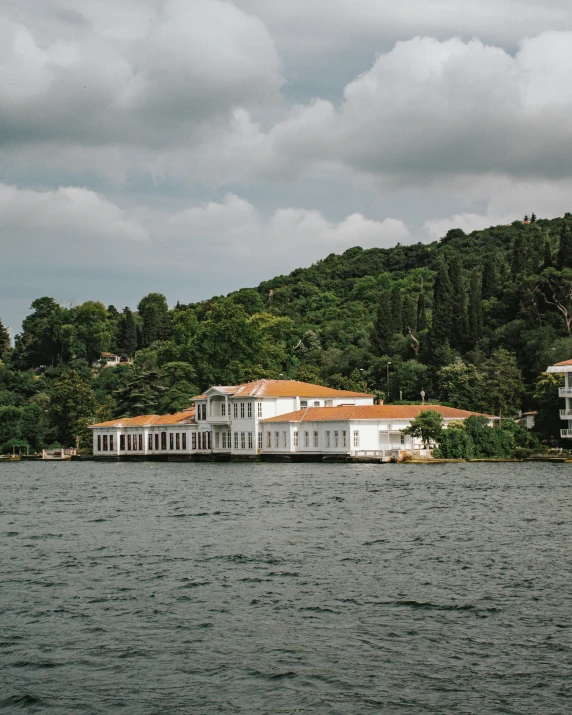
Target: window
<point x="303" y="403"/>
<point x="99" y="443"/>
<point x="105" y="443"/>
<point x="178" y="441"/>
<point x="259" y="409"/>
<point x="269" y="439"/>
<point x="141" y="442"/>
<point x="250" y="440"/>
<point x="224" y="440"/>
<point x="210" y="438"/>
<point x="194" y="440"/>
<point x="327" y="439"/>
<point x="277" y="439"/>
<point x="242" y="410"/>
<point x="249" y="410"/>
<point x="236" y="439"/>
<point x="356" y="438"/>
<point x="150" y="443"/>
<point x="129" y="443"/>
<point x="163" y="441"/>
<point x="122" y="443"/>
<point x="184" y="440"/>
<point x="228" y="439"/>
<point x="216" y="440"/>
<point x="259" y="437"/>
<point x="295" y="438"/>
<point x="157" y="442"/>
<point x="235" y="410"/>
<point x="402" y="438"/>
<point x="223" y="409"/>
<point x="242" y="440"/>
<point x="171" y="438"/>
<point x="111" y="443"/>
<point x="344" y="438"/>
<point x="284" y="440"/>
<point x="317" y="403"/>
<point x="204" y="411"/>
<point x="336" y="439"/>
<point x="315" y="439"/>
<point x="306" y="439"/>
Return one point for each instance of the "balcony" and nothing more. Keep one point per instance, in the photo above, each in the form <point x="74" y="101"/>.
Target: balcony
<point x="566" y="433"/>
<point x="566" y="414"/>
<point x="218" y="419"/>
<point x="565" y="391"/>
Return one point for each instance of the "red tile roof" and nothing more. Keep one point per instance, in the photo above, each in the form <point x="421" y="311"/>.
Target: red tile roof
<point x="185" y="417"/>
<point x="284" y="388"/>
<point x="563" y="364"/>
<point x="368" y="412"/>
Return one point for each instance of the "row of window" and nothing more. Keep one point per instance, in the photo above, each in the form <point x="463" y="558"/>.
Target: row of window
<point x="156" y="442"/>
<point x="242" y="408"/>
<point x="337" y="438"/>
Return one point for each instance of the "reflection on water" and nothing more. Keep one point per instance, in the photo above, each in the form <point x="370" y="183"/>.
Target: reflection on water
<point x="239" y="588"/>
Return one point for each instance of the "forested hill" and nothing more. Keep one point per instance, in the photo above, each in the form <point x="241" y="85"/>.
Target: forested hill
<point x="473" y="320"/>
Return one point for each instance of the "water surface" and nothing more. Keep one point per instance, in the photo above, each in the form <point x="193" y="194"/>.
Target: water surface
<point x="265" y="588"/>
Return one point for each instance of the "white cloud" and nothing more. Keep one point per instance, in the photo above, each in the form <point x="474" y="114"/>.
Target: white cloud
<point x="70" y="211"/>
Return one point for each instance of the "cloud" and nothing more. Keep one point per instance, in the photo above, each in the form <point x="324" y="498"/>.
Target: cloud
<point x="72" y="211"/>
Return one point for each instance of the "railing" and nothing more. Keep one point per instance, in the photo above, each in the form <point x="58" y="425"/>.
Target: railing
<point x="377" y="453"/>
<point x="564" y="433"/>
<point x="219" y="419"/>
<point x="565" y="391"/>
<point x="566" y="414"/>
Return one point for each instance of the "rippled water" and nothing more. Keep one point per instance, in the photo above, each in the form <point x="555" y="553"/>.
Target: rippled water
<point x="238" y="588"/>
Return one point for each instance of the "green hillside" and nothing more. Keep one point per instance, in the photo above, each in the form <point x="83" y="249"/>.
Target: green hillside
<point x="473" y="320"/>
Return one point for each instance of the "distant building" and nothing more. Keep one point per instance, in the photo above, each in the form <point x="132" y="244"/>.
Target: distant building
<point x="273" y="417"/>
<point x="565" y="368"/>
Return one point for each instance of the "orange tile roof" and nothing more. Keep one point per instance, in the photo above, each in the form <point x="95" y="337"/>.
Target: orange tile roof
<point x="187" y="417"/>
<point x="562" y="364"/>
<point x="368" y="412"/>
<point x="284" y="388"/>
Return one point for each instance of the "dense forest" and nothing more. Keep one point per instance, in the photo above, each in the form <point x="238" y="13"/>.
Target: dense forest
<point x="472" y="320"/>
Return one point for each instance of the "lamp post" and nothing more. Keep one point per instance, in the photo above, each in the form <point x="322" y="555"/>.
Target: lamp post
<point x="363" y="378"/>
<point x="388" y="364"/>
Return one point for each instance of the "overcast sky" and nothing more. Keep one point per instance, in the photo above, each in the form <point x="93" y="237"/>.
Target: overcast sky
<point x="193" y="147"/>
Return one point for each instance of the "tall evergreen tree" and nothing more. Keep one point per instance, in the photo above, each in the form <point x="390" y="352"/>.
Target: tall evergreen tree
<point x="154" y="314"/>
<point x="491" y="278"/>
<point x="409" y="314"/>
<point x="564" y="259"/>
<point x="519" y="256"/>
<point x="442" y="323"/>
<point x="4" y="340"/>
<point x="547" y="258"/>
<point x="127" y="338"/>
<point x="396" y="304"/>
<point x="421" y="312"/>
<point x="475" y="317"/>
<point x="383" y="327"/>
<point x="458" y="334"/>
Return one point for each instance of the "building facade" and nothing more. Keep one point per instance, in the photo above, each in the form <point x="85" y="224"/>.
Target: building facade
<point x="225" y="420"/>
<point x="565" y="369"/>
<point x="356" y="431"/>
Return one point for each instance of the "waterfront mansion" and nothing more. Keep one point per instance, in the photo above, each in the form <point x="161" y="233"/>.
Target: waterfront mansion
<point x="275" y="417"/>
<point x="565" y="369"/>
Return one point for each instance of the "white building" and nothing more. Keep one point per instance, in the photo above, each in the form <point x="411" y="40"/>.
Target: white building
<point x="565" y="368"/>
<point x="225" y="420"/>
<point x="357" y="431"/>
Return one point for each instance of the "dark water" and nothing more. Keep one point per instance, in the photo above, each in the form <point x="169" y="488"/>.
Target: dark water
<point x="235" y="588"/>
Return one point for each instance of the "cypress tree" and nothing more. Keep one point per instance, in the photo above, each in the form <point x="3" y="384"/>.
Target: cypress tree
<point x="475" y="317"/>
<point x="459" y="325"/>
<point x="564" y="259"/>
<point x="519" y="256"/>
<point x="4" y="340"/>
<point x="442" y="324"/>
<point x="127" y="339"/>
<point x="383" y="327"/>
<point x="396" y="304"/>
<point x="547" y="261"/>
<point x="421" y="312"/>
<point x="409" y="314"/>
<point x="491" y="278"/>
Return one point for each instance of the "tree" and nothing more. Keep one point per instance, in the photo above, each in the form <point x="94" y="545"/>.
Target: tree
<point x="141" y="392"/>
<point x="564" y="259"/>
<point x="10" y="424"/>
<point x="547" y="400"/>
<point x="491" y="278"/>
<point x="383" y="327"/>
<point x="409" y="314"/>
<point x="442" y="323"/>
<point x="547" y="254"/>
<point x="4" y="340"/>
<point x="475" y="309"/>
<point x="93" y="331"/>
<point x="421" y="314"/>
<point x="154" y="314"/>
<point x="501" y="387"/>
<point x="72" y="409"/>
<point x="428" y="425"/>
<point x="127" y="333"/>
<point x="395" y="309"/>
<point x="459" y="385"/>
<point x="459" y="324"/>
<point x="40" y="342"/>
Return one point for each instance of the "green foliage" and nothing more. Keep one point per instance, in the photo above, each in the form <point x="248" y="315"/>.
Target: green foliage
<point x="4" y="340"/>
<point x="72" y="409"/>
<point x="477" y="441"/>
<point x="428" y="425"/>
